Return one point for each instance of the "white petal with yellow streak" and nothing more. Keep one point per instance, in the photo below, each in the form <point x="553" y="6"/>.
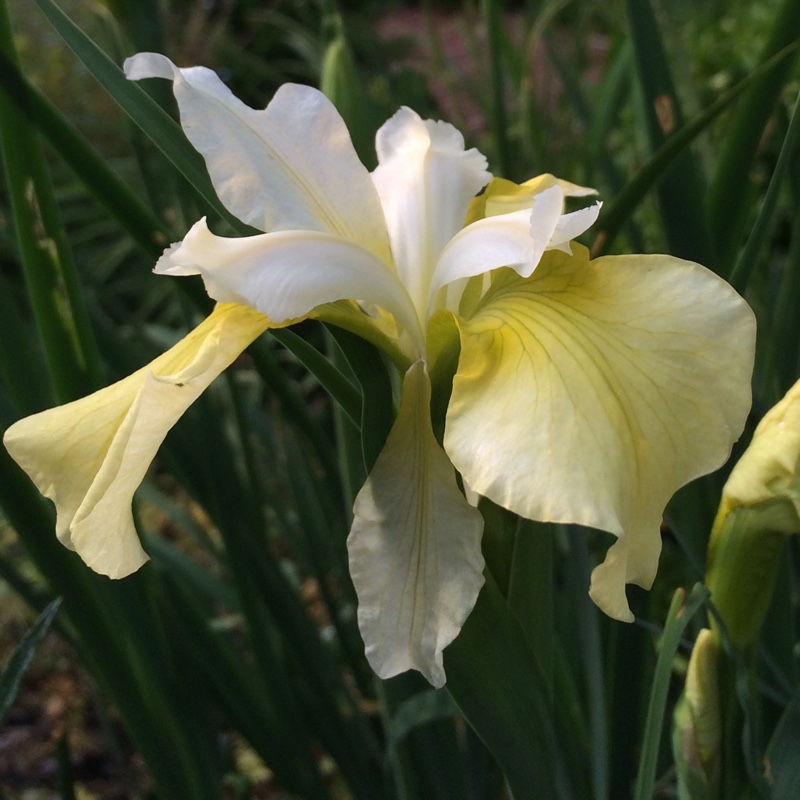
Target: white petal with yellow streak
<point x="89" y="456"/>
<point x="287" y="274"/>
<point x="290" y="166"/>
<point x="415" y="554"/>
<point x="590" y="392"/>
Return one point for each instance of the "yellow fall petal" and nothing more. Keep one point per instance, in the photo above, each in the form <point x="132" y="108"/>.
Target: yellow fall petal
<point x="591" y="391"/>
<point x="89" y="456"/>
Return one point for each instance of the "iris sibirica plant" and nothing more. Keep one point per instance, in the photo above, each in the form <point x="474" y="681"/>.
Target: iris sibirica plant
<point x="576" y="390"/>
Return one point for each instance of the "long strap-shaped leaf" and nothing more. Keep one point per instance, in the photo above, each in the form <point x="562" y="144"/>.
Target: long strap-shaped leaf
<point x="46" y="259"/>
<point x="681" y="190"/>
<point x="135" y="217"/>
<point x="494" y="678"/>
<point x="165" y="133"/>
<point x="16" y="665"/>
<point x="743" y="268"/>
<point x="616" y="213"/>
<point x="728" y="198"/>
<point x="679" y="616"/>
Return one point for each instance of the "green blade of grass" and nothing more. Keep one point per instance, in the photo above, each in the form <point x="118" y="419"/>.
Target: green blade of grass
<point x="29" y="389"/>
<point x="309" y="689"/>
<point x="531" y="587"/>
<point x="23" y="654"/>
<point x="610" y="96"/>
<point x="134" y="216"/>
<point x="729" y="195"/>
<point x="681" y="190"/>
<point x="497" y="109"/>
<point x="242" y="696"/>
<point x="616" y="213"/>
<point x="780" y="368"/>
<point x="165" y="133"/>
<point x="426" y="760"/>
<point x="339" y="387"/>
<point x="590" y="655"/>
<point x="293" y="406"/>
<point x="748" y="258"/>
<point x="377" y="410"/>
<point x="500" y="690"/>
<point x="143" y="20"/>
<point x="784" y="765"/>
<point x="124" y="654"/>
<point x="50" y="276"/>
<point x="679" y="616"/>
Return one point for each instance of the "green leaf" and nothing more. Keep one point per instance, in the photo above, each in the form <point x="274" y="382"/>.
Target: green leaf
<point x="377" y="409"/>
<point x="679" y="616"/>
<point x="783" y="763"/>
<point x="340" y="81"/>
<point x="493" y="676"/>
<point x="418" y="710"/>
<point x="134" y="216"/>
<point x="50" y="274"/>
<point x="497" y="112"/>
<point x="338" y="386"/>
<point x="23" y="654"/>
<point x="780" y="368"/>
<point x="616" y="213"/>
<point x="681" y="190"/>
<point x="748" y="258"/>
<point x="165" y="133"/>
<point x="730" y="192"/>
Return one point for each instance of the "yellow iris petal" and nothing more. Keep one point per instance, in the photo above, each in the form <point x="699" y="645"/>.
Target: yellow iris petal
<point x="591" y="391"/>
<point x="89" y="456"/>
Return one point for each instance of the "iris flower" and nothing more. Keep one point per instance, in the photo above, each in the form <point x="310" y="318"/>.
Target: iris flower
<point x="583" y="392"/>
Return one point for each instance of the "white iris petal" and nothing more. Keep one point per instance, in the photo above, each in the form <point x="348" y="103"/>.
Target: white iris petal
<point x="415" y="553"/>
<point x="290" y="166"/>
<point x="425" y="179"/>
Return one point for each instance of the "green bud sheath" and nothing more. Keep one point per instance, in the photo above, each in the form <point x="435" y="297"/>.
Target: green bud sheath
<point x="760" y="508"/>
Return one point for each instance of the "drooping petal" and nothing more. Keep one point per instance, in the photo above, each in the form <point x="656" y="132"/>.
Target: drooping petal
<point x="592" y="391"/>
<point x="287" y="274"/>
<point x="89" y="456"/>
<point x="290" y="166"/>
<point x="415" y="554"/>
<point x="425" y="179"/>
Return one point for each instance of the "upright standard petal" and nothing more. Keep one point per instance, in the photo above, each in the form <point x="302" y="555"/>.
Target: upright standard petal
<point x="89" y="456"/>
<point x="291" y="166"/>
<point x="415" y="553"/>
<point x="592" y="391"/>
<point x="425" y="179"/>
<point x="287" y="274"/>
